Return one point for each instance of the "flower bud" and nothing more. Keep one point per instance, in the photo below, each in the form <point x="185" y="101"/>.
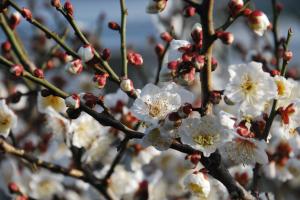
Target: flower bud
<point x="185" y="110"/>
<point x="287" y="55"/>
<point x="66" y="57"/>
<point x="159" y="50"/>
<point x="105" y="54"/>
<point x="235" y="6"/>
<point x="6" y="46"/>
<point x="114" y="26"/>
<point x="189" y="11"/>
<point x="39" y="73"/>
<point x="166" y="36"/>
<point x="197" y="35"/>
<point x="17" y="70"/>
<point x="14" y="20"/>
<point x="225" y="37"/>
<point x="73" y="101"/>
<point x="26" y="13"/>
<point x="156" y="6"/>
<point x="134" y="58"/>
<point x="258" y="22"/>
<point x="173" y="65"/>
<point x="214" y="64"/>
<point x="86" y="53"/>
<point x="275" y="72"/>
<point x="100" y="79"/>
<point x="88" y="99"/>
<point x="247" y="12"/>
<point x="13" y="187"/>
<point x="74" y="67"/>
<point x="126" y="85"/>
<point x="199" y="62"/>
<point x="68" y="7"/>
<point x="56" y="3"/>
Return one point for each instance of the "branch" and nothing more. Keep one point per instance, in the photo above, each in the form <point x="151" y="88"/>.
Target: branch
<point x="160" y="62"/>
<point x="124" y="14"/>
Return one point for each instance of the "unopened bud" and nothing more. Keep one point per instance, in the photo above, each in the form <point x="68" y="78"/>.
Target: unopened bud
<point x="68" y="7"/>
<point x="86" y="53"/>
<point x="225" y="37"/>
<point x="114" y="26"/>
<point x="247" y="12"/>
<point x="14" y="20"/>
<point x="214" y="64"/>
<point x="156" y="6"/>
<point x="199" y="62"/>
<point x="166" y="36"/>
<point x="100" y="79"/>
<point x="159" y="50"/>
<point x="235" y="6"/>
<point x="258" y="22"/>
<point x="173" y="65"/>
<point x="17" y="70"/>
<point x="105" y="54"/>
<point x="39" y="73"/>
<point x="189" y="11"/>
<point x="134" y="58"/>
<point x="13" y="187"/>
<point x="287" y="55"/>
<point x="126" y="85"/>
<point x="197" y="35"/>
<point x="56" y="3"/>
<point x="88" y="99"/>
<point x="6" y="46"/>
<point x="185" y="110"/>
<point x="275" y="72"/>
<point x="73" y="101"/>
<point x="26" y="13"/>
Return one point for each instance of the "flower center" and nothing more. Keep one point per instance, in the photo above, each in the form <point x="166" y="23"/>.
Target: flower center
<point x="5" y="121"/>
<point x="280" y="87"/>
<point x="154" y="110"/>
<point x="55" y="102"/>
<point x="204" y="140"/>
<point x="195" y="188"/>
<point x="247" y="85"/>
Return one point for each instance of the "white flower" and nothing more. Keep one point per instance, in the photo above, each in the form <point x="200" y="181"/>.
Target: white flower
<point x="205" y="134"/>
<point x="258" y="22"/>
<point x="57" y="103"/>
<point x="276" y="171"/>
<point x="155" y="103"/>
<point x="285" y="125"/>
<point x="284" y="87"/>
<point x="155" y="136"/>
<point x="44" y="185"/>
<point x="86" y="53"/>
<point x="197" y="184"/>
<point x="85" y="130"/>
<point x="251" y="87"/>
<point x="246" y="150"/>
<point x="57" y="124"/>
<point x="8" y="119"/>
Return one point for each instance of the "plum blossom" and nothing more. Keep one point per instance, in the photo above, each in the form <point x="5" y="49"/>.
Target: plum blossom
<point x="198" y="184"/>
<point x="205" y="134"/>
<point x="8" y="119"/>
<point x="258" y="22"/>
<point x="155" y="103"/>
<point x="57" y="103"/>
<point x="250" y="87"/>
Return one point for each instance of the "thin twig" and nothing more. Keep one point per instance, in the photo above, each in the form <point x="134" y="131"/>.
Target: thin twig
<point x="123" y="47"/>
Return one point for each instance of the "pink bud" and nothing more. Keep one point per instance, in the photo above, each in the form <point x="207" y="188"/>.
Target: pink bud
<point x="14" y="20"/>
<point x="126" y="85"/>
<point x="13" y="187"/>
<point x="73" y="101"/>
<point x="6" y="46"/>
<point x="189" y="11"/>
<point x="39" y="73"/>
<point x="214" y="64"/>
<point x="159" y="50"/>
<point x="75" y="67"/>
<point x="86" y="53"/>
<point x="235" y="6"/>
<point x="114" y="26"/>
<point x="134" y="58"/>
<point x="226" y="37"/>
<point x="27" y="14"/>
<point x="100" y="79"/>
<point x="173" y="65"/>
<point x="68" y="7"/>
<point x="247" y="12"/>
<point x="275" y="72"/>
<point x="287" y="55"/>
<point x="199" y="61"/>
<point x="166" y="36"/>
<point x="258" y="22"/>
<point x="56" y="3"/>
<point x="197" y="35"/>
<point x="106" y="54"/>
<point x="17" y="70"/>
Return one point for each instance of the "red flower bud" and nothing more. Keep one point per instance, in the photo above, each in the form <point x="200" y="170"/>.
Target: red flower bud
<point x="39" y="73"/>
<point x="275" y="72"/>
<point x="199" y="61"/>
<point x="14" y="20"/>
<point x="247" y="12"/>
<point x="173" y="65"/>
<point x="68" y="7"/>
<point x="56" y="3"/>
<point x="26" y="13"/>
<point x="225" y="37"/>
<point x="6" y="46"/>
<point x="167" y="37"/>
<point x="126" y="85"/>
<point x="134" y="58"/>
<point x="88" y="99"/>
<point x="159" y="50"/>
<point x="287" y="55"/>
<point x="13" y="187"/>
<point x="197" y="34"/>
<point x="214" y="64"/>
<point x="100" y="79"/>
<point x="114" y="26"/>
<point x="17" y="70"/>
<point x="189" y="11"/>
<point x="73" y="101"/>
<point x="105" y="54"/>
